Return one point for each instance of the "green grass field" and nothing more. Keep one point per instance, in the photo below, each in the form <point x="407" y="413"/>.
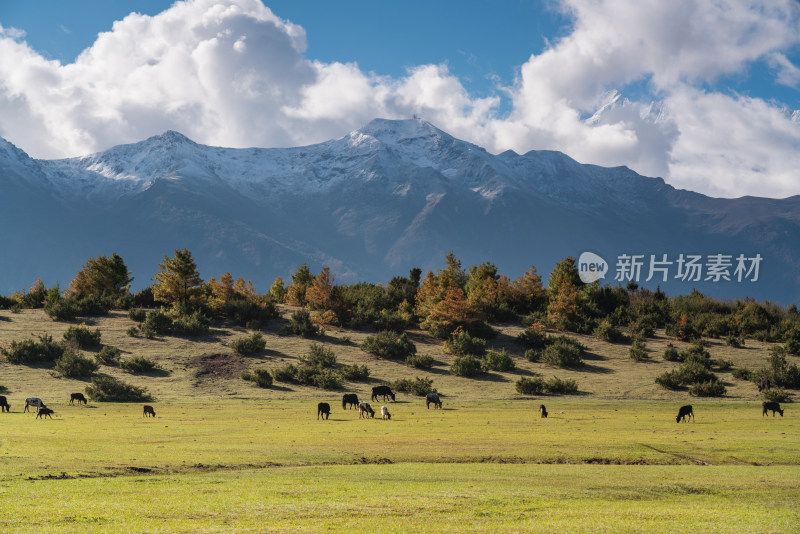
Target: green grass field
<point x="223" y="455"/>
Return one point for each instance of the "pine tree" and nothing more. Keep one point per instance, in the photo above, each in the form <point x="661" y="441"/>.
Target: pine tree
<point x="177" y="281"/>
<point x="101" y="277"/>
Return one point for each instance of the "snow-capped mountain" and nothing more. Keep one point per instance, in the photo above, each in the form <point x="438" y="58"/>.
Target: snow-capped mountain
<point x="387" y="197"/>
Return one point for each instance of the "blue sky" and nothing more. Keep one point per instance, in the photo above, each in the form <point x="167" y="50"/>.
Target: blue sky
<point x="703" y="94"/>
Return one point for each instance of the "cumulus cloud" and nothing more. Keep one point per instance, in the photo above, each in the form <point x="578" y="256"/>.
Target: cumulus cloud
<point x="232" y="73"/>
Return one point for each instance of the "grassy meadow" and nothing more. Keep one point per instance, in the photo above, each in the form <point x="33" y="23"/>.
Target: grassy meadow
<point x="223" y="455"/>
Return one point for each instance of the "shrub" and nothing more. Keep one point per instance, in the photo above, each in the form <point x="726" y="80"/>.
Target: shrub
<point x="73" y="365"/>
<point x="558" y="386"/>
<point x="533" y="355"/>
<point x="707" y="389"/>
<point x="461" y="343"/>
<point x="414" y="386"/>
<point x="286" y="373"/>
<point x="300" y="325"/>
<point x="533" y="338"/>
<point x="670" y="380"/>
<point x="249" y="344"/>
<point x="694" y="372"/>
<point x="467" y="366"/>
<point x="734" y="341"/>
<point x="420" y="361"/>
<point x="132" y="331"/>
<point x="776" y="395"/>
<point x="498" y="361"/>
<point x="355" y="372"/>
<point x="109" y="389"/>
<point x="62" y="310"/>
<point x="261" y="377"/>
<point x="563" y="351"/>
<point x="137" y="314"/>
<point x="319" y="357"/>
<point x="195" y="324"/>
<point x="605" y="331"/>
<point x="643" y="327"/>
<point x="327" y="379"/>
<point x="108" y="355"/>
<point x="390" y="345"/>
<point x="138" y="365"/>
<point x="156" y="323"/>
<point x="671" y="354"/>
<point x="530" y="386"/>
<point x="744" y="374"/>
<point x="248" y="312"/>
<point x="28" y="351"/>
<point x="83" y="336"/>
<point x="638" y="351"/>
<point x="722" y="365"/>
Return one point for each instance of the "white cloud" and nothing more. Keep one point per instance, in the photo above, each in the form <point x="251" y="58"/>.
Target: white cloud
<point x="232" y="73"/>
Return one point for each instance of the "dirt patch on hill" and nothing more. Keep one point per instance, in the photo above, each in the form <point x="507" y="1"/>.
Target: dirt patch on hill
<point x="218" y="365"/>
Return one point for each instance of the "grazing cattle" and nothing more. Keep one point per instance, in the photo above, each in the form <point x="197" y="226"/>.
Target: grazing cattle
<point x="385" y="413"/>
<point x="543" y="411"/>
<point x="36" y="402"/>
<point x="323" y="409"/>
<point x="433" y="398"/>
<point x="385" y="391"/>
<point x="365" y="410"/>
<point x="147" y="411"/>
<point x="350" y="399"/>
<point x="44" y="411"/>
<point x="684" y="412"/>
<point x="4" y="404"/>
<point x="774" y="406"/>
<point x="763" y="384"/>
<point x="77" y="397"/>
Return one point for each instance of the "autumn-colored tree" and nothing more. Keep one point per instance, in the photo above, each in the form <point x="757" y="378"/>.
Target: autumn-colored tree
<point x="34" y="298"/>
<point x="564" y="292"/>
<point x="318" y="293"/>
<point x="101" y="277"/>
<point x="278" y="290"/>
<point x="435" y="286"/>
<point x="529" y="294"/>
<point x="301" y="279"/>
<point x="454" y="310"/>
<point x="488" y="292"/>
<point x="227" y="290"/>
<point x="177" y="281"/>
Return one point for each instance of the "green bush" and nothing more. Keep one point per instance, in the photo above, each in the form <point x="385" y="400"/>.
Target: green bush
<point x="389" y="345"/>
<point x="262" y="377"/>
<point x="734" y="341"/>
<point x="250" y="344"/>
<point x="28" y="351"/>
<point x="108" y="355"/>
<point x="194" y="324"/>
<point x="532" y="338"/>
<point x="109" y="389"/>
<point x="694" y="372"/>
<point x="722" y="365"/>
<point x="300" y="325"/>
<point x="498" y="361"/>
<point x="62" y="310"/>
<point x="286" y="373"/>
<point x="461" y="343"/>
<point x="563" y="351"/>
<point x="138" y="365"/>
<point x="531" y="386"/>
<point x="558" y="386"/>
<point x="638" y="351"/>
<point x="707" y="389"/>
<point x="156" y="323"/>
<point x="776" y="395"/>
<point x="670" y="380"/>
<point x="533" y="355"/>
<point x="671" y="354"/>
<point x="420" y="361"/>
<point x="73" y="365"/>
<point x="327" y="379"/>
<point x="744" y="374"/>
<point x="355" y="372"/>
<point x="319" y="357"/>
<point x="132" y="331"/>
<point x="467" y="366"/>
<point x="414" y="386"/>
<point x="137" y="314"/>
<point x="605" y="331"/>
<point x="251" y="314"/>
<point x="83" y="336"/>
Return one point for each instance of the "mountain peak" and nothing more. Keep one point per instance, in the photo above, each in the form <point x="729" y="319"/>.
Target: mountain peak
<point x="172" y="137"/>
<point x="399" y="129"/>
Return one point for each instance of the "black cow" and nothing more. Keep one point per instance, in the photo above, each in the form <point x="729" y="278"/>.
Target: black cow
<point x="323" y="409"/>
<point x="44" y="411"/>
<point x="4" y="404"/>
<point x="684" y="412"/>
<point x="433" y="398"/>
<point x="774" y="406"/>
<point x="365" y="410"/>
<point x="763" y="384"/>
<point x="350" y="399"/>
<point x="385" y="391"/>
<point x="543" y="411"/>
<point x="77" y="397"/>
<point x="147" y="411"/>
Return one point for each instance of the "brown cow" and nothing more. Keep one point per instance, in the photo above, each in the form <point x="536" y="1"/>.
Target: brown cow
<point x="147" y="411"/>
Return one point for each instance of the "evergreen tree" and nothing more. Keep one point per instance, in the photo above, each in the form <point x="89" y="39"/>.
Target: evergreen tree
<point x="101" y="277"/>
<point x="177" y="281"/>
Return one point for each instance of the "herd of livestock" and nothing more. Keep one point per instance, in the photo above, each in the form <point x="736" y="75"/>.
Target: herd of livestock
<point x="349" y="400"/>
